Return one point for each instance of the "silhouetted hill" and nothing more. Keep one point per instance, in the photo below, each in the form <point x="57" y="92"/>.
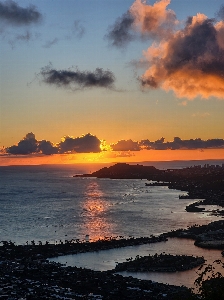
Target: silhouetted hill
<point x="125" y="171"/>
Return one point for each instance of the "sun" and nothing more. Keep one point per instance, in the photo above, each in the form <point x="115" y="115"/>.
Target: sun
<point x="104" y="146"/>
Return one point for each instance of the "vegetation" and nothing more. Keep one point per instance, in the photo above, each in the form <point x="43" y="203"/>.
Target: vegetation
<point x="210" y="282"/>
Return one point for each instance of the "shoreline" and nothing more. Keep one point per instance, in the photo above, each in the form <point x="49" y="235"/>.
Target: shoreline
<point x="26" y="269"/>
<point x="26" y="272"/>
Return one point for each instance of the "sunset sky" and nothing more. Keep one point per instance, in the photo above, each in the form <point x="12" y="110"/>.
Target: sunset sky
<point x="145" y="77"/>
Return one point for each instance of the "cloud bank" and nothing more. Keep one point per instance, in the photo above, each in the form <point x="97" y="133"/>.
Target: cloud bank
<point x="13" y="14"/>
<point x="89" y="143"/>
<point x="188" y="60"/>
<point x="78" y="79"/>
<point x="29" y="145"/>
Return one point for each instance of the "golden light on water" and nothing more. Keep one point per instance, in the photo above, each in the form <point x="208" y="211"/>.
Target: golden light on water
<point x="95" y="223"/>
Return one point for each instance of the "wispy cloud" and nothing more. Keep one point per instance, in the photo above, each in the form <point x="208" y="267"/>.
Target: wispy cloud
<point x="50" y="43"/>
<point x="201" y="114"/>
<point x="78" y="29"/>
<point x="121" y="33"/>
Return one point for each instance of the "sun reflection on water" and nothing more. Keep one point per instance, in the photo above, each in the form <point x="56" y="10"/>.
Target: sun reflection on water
<point x="96" y="223"/>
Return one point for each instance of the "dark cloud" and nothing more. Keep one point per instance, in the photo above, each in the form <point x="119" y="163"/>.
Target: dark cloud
<point x="14" y="14"/>
<point x="126" y="145"/>
<point x="47" y="148"/>
<point x="78" y="29"/>
<point x="78" y="79"/>
<point x="26" y="146"/>
<point x="157" y="145"/>
<point x="196" y="143"/>
<point x="180" y="144"/>
<point x="85" y="144"/>
<point x="89" y="143"/>
<point x="29" y="145"/>
<point x="121" y="33"/>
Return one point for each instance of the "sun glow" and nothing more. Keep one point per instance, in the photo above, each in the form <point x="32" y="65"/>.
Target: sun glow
<point x="104" y="146"/>
<point x="112" y="157"/>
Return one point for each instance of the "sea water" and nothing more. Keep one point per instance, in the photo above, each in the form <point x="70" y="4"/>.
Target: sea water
<point x="46" y="203"/>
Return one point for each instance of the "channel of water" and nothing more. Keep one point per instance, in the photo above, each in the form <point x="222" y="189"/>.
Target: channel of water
<point x="106" y="260"/>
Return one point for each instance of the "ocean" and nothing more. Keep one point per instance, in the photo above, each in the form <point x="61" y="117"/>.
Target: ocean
<point x="46" y="203"/>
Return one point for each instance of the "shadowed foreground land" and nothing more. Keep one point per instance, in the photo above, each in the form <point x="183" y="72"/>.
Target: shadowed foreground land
<point x="29" y="275"/>
<point x="26" y="273"/>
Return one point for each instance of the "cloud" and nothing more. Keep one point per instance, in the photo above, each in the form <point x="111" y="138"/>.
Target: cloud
<point x="84" y="144"/>
<point x="196" y="143"/>
<point x="155" y="21"/>
<point x="24" y="37"/>
<point x="120" y="34"/>
<point x="47" y="148"/>
<point x="78" y="79"/>
<point x="220" y="13"/>
<point x="191" y="63"/>
<point x="157" y="145"/>
<point x="78" y="29"/>
<point x="13" y="14"/>
<point x="49" y="44"/>
<point x="89" y="143"/>
<point x="141" y="21"/>
<point x="186" y="58"/>
<point x="27" y="145"/>
<point x="126" y="145"/>
<point x="178" y="143"/>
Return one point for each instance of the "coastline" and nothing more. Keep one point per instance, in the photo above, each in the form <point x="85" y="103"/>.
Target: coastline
<point x="27" y="268"/>
<point x="26" y="271"/>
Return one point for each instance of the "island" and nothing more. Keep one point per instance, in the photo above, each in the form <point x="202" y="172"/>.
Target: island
<point x="160" y="263"/>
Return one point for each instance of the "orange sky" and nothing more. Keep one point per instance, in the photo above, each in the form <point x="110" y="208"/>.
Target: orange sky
<point x="112" y="157"/>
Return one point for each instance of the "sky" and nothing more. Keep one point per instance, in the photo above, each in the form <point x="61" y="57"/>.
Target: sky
<point x="111" y="80"/>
